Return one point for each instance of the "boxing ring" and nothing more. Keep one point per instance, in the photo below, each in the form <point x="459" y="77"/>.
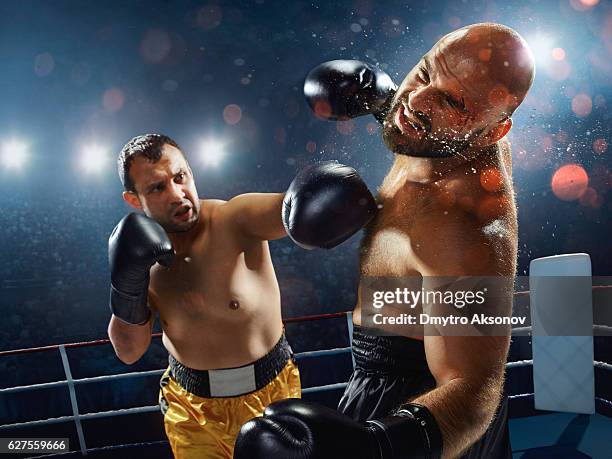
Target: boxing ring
<point x="534" y="433"/>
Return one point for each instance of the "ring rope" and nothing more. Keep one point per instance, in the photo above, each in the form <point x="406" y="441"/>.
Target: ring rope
<point x="298" y="356"/>
<point x="322" y="352"/>
<point x="84" y="416"/>
<point x="325" y="388"/>
<point x="103" y="378"/>
<point x="73" y="401"/>
<point x="604" y="402"/>
<point x="603" y="365"/>
<point x="519" y="364"/>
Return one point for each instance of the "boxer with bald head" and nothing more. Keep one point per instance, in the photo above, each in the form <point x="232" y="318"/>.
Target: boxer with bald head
<point x="459" y="98"/>
<point x="447" y="209"/>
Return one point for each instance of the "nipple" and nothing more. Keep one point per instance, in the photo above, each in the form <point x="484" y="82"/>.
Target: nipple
<point x="233" y="305"/>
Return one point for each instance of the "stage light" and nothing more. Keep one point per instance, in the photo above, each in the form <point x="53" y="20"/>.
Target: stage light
<point x="542" y="46"/>
<point x="14" y="154"/>
<point x="93" y="159"/>
<point x="212" y="151"/>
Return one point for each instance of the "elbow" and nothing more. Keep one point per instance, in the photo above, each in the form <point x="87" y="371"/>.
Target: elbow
<point x="128" y="359"/>
<point x="487" y="394"/>
<point x="128" y="349"/>
<point x="480" y="397"/>
<point x="128" y="354"/>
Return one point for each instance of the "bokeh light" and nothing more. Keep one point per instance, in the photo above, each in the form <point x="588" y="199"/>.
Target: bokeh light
<point x="345" y="127"/>
<point x="491" y="179"/>
<point x="209" y="16"/>
<point x="559" y="70"/>
<point x="600" y="146"/>
<point x="155" y="46"/>
<point x="372" y="128"/>
<point x="590" y="198"/>
<point x="311" y="146"/>
<point x="280" y="135"/>
<point x="322" y="109"/>
<point x="44" y="64"/>
<point x="113" y="100"/>
<point x="583" y="5"/>
<point x="454" y="22"/>
<point x="232" y="114"/>
<point x="491" y="207"/>
<point x="569" y="182"/>
<point x="582" y="105"/>
<point x="558" y="54"/>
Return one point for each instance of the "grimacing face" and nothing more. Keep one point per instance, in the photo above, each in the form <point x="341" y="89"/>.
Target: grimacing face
<point x="452" y="99"/>
<point x="165" y="190"/>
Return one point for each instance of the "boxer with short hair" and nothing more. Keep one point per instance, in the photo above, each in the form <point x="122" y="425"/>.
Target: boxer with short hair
<point x="447" y="209"/>
<point x="204" y="266"/>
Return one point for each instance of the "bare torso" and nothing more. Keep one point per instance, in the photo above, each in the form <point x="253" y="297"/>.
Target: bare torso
<point x="403" y="240"/>
<point x="219" y="302"/>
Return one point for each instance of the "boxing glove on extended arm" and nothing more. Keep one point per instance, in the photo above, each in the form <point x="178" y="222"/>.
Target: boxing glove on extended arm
<point x="297" y="429"/>
<point x="343" y="89"/>
<point x="136" y="243"/>
<point x="326" y="204"/>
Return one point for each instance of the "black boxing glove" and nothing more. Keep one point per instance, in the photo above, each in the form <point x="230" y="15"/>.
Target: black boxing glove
<point x="326" y="204"/>
<point x="343" y="89"/>
<point x="297" y="429"/>
<point x="136" y="243"/>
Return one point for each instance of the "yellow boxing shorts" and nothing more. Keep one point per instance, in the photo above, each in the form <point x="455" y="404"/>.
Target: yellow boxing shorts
<point x="204" y="409"/>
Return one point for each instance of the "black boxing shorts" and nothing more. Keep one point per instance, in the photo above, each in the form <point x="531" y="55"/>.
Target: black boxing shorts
<point x="389" y="370"/>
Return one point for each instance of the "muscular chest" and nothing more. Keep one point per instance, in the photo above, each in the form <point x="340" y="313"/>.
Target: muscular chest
<point x="204" y="279"/>
<point x="390" y="246"/>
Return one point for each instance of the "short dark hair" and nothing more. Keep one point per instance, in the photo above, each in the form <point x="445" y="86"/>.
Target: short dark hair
<point x="147" y="145"/>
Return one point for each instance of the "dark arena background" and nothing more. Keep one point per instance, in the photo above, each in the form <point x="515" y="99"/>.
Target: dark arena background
<point x="225" y="80"/>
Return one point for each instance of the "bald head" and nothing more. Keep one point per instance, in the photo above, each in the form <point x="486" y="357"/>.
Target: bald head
<point x="495" y="53"/>
<point x="462" y="92"/>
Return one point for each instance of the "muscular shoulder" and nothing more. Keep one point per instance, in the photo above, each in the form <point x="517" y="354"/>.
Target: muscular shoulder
<point x="481" y="192"/>
<point x="212" y="209"/>
<point x="227" y="212"/>
<point x="475" y="234"/>
<point x="224" y="219"/>
<point x="211" y="204"/>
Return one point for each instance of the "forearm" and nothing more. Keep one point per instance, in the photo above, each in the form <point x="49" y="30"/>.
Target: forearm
<point x="463" y="409"/>
<point x="129" y="341"/>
